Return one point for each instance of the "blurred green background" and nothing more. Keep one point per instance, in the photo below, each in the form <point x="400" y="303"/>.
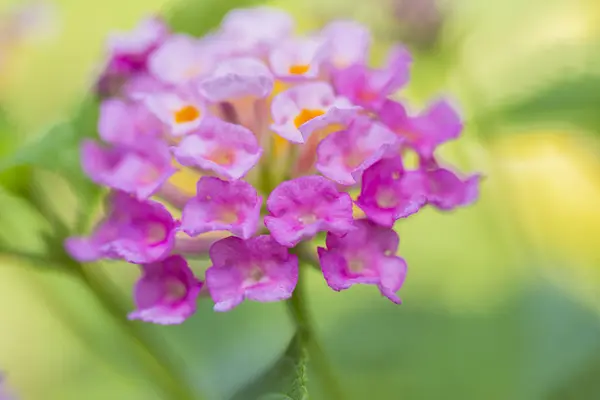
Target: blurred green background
<point x="502" y="299"/>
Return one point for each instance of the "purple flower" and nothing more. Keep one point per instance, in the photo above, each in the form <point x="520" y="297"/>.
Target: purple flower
<point x="127" y="123"/>
<point x="180" y="112"/>
<point x="136" y="231"/>
<point x="253" y="31"/>
<point x="370" y="87"/>
<point x="364" y="255"/>
<point x="299" y="111"/>
<point x="256" y="269"/>
<point x="447" y="191"/>
<point x="348" y="43"/>
<point x="128" y="54"/>
<point x="208" y="106"/>
<point x="297" y="59"/>
<point x="436" y="125"/>
<point x="222" y="205"/>
<point x="236" y="78"/>
<point x="140" y="41"/>
<point x="166" y="293"/>
<point x="140" y="171"/>
<point x="304" y="206"/>
<point x="389" y="192"/>
<point x="344" y="155"/>
<point x="181" y="59"/>
<point x="229" y="150"/>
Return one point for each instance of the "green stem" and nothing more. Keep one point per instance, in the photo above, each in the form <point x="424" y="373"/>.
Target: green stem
<point x="39" y="260"/>
<point x="153" y="357"/>
<point x="151" y="351"/>
<point x="301" y="316"/>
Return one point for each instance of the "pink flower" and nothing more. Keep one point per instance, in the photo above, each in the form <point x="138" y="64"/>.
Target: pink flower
<point x="299" y="111"/>
<point x="447" y="191"/>
<point x="209" y="105"/>
<point x="166" y="293"/>
<point x="389" y="192"/>
<point x="348" y="43"/>
<point x="181" y="59"/>
<point x="365" y="255"/>
<point x="181" y="112"/>
<point x="221" y="205"/>
<point x="140" y="41"/>
<point x="344" y="155"/>
<point x="128" y="54"/>
<point x="303" y="206"/>
<point x="424" y="132"/>
<point x="133" y="230"/>
<point x="127" y="123"/>
<point x="227" y="149"/>
<point x="370" y="87"/>
<point x="253" y="31"/>
<point x="257" y="269"/>
<point x="297" y="59"/>
<point x="236" y="78"/>
<point x="140" y="171"/>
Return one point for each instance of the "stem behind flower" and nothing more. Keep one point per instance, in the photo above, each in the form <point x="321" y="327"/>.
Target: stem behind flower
<point x="300" y="314"/>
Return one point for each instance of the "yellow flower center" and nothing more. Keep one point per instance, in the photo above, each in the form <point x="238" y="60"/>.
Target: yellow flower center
<point x="386" y="199"/>
<point x="222" y="156"/>
<point x="356" y="265"/>
<point x="308" y="219"/>
<point x="299" y="69"/>
<point x="175" y="290"/>
<point x="306" y="115"/>
<point x="186" y="113"/>
<point x="256" y="274"/>
<point x="228" y="216"/>
<point x="156" y="233"/>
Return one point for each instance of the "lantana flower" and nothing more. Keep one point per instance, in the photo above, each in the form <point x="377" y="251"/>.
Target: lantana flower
<point x="255" y="112"/>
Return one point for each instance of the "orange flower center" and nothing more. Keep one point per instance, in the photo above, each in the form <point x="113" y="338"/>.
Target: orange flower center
<point x="222" y="157"/>
<point x="187" y="113"/>
<point x="175" y="290"/>
<point x="386" y="199"/>
<point x="299" y="69"/>
<point x="156" y="233"/>
<point x="228" y="216"/>
<point x="367" y="95"/>
<point x="306" y="115"/>
<point x="356" y="265"/>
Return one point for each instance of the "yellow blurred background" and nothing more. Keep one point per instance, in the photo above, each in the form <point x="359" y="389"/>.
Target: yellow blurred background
<point x="502" y="299"/>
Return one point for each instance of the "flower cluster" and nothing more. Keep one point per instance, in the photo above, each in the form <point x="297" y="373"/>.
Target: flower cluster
<point x="303" y="123"/>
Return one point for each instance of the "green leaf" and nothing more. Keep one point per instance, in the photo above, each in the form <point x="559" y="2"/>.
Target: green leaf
<point x="570" y="102"/>
<point x="198" y="17"/>
<point x="55" y="150"/>
<point x="284" y="380"/>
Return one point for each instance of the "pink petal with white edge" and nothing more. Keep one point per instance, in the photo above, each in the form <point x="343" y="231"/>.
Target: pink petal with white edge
<point x="301" y="207"/>
<point x="166" y="293"/>
<point x="222" y="205"/>
<point x="348" y="41"/>
<point x="365" y="255"/>
<point x="236" y="78"/>
<point x="229" y="150"/>
<point x="180" y="59"/>
<point x="256" y="269"/>
<point x="255" y="30"/>
<point x="299" y="111"/>
<point x="297" y="59"/>
<point x="181" y="113"/>
<point x="344" y="155"/>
